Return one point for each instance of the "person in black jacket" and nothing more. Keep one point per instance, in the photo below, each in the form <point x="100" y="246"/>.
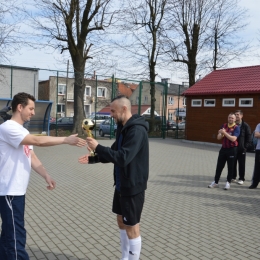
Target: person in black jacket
<point x="130" y="155"/>
<point x="244" y="141"/>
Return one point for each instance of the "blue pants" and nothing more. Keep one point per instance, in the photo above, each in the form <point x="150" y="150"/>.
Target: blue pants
<point x="13" y="234"/>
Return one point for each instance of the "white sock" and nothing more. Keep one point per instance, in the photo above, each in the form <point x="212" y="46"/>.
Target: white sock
<point x="124" y="244"/>
<point x="135" y="248"/>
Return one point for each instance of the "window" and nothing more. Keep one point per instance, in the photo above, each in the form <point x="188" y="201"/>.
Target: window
<point x="60" y="108"/>
<point x="246" y="102"/>
<point x="61" y="89"/>
<point x="209" y="102"/>
<point x="184" y="102"/>
<point x="228" y="102"/>
<point x="170" y="116"/>
<point x="196" y="102"/>
<point x="170" y="101"/>
<point x="101" y="92"/>
<point x="145" y="100"/>
<point x="88" y="91"/>
<point x="137" y="100"/>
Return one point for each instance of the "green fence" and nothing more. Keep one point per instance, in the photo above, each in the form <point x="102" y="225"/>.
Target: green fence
<point x="148" y="99"/>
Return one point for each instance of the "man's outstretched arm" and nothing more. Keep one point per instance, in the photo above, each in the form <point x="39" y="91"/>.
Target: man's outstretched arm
<point x="52" y="140"/>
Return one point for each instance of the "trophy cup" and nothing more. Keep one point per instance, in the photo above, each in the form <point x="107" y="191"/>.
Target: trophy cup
<point x="87" y="126"/>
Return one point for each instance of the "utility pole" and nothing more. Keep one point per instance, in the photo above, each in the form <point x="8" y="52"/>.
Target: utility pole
<point x="66" y="89"/>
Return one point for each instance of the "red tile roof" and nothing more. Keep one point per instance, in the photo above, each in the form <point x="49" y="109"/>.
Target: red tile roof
<point x="126" y="89"/>
<point x="228" y="81"/>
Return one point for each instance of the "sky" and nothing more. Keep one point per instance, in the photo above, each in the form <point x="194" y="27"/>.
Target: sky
<point x="49" y="60"/>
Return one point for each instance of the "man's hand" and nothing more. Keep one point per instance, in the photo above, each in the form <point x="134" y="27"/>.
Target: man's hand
<point x="222" y="131"/>
<point x="92" y="143"/>
<point x="74" y="140"/>
<point x="83" y="159"/>
<point x="51" y="182"/>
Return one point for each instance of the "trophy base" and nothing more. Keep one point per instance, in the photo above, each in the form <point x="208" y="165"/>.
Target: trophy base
<point x="93" y="159"/>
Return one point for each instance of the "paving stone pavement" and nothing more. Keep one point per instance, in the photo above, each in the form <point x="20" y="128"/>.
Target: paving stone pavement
<point x="182" y="218"/>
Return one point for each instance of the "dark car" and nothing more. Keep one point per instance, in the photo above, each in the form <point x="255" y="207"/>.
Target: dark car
<point x="64" y="123"/>
<point x="170" y="125"/>
<point x="105" y="128"/>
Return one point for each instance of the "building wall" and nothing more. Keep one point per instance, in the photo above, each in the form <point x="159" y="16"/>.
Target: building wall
<point x="61" y="99"/>
<point x="44" y="90"/>
<point x="171" y="108"/>
<point x="18" y="79"/>
<point x="203" y="123"/>
<point x="146" y="97"/>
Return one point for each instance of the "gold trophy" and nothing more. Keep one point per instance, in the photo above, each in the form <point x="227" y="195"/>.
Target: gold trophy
<point x="88" y="125"/>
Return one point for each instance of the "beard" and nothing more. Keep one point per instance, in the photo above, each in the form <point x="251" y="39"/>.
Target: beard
<point x="119" y="121"/>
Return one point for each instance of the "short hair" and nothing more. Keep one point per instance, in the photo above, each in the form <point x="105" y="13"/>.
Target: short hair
<point x="119" y="97"/>
<point x="21" y="98"/>
<point x="239" y="111"/>
<point x="123" y="100"/>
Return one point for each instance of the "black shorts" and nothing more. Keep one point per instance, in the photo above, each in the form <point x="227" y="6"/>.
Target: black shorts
<point x="129" y="207"/>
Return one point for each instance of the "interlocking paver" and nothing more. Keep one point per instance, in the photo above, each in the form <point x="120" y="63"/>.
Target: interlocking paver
<point x="182" y="218"/>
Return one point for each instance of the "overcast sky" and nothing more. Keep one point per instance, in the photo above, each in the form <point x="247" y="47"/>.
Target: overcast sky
<point x="40" y="59"/>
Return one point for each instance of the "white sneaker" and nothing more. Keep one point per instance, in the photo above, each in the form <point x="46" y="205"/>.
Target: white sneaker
<point x="233" y="180"/>
<point x="227" y="186"/>
<point x="213" y="185"/>
<point x="240" y="182"/>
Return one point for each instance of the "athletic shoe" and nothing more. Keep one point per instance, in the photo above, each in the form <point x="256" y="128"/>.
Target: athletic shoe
<point x="227" y="186"/>
<point x="233" y="180"/>
<point x="240" y="182"/>
<point x="252" y="187"/>
<point x="213" y="185"/>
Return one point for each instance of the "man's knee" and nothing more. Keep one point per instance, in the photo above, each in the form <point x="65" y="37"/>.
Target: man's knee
<point x="133" y="231"/>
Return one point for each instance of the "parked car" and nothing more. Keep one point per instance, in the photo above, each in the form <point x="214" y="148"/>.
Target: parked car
<point x="99" y="118"/>
<point x="52" y="119"/>
<point x="170" y="125"/>
<point x="181" y="125"/>
<point x="65" y="123"/>
<point x="105" y="127"/>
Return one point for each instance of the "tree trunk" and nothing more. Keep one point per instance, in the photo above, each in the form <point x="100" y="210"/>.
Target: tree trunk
<point x="79" y="90"/>
<point x="192" y="66"/>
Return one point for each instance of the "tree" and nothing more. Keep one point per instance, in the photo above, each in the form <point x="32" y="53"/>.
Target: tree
<point x="200" y="27"/>
<point x="9" y="29"/>
<point x="228" y="20"/>
<point x="74" y="26"/>
<point x="186" y="32"/>
<point x="143" y="29"/>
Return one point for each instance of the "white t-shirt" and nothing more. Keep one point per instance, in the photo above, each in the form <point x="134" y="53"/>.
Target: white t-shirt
<point x="15" y="159"/>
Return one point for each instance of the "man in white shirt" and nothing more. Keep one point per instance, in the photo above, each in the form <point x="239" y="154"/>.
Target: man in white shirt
<point x="16" y="160"/>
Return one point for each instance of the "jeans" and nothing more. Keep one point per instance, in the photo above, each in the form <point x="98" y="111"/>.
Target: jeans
<point x="226" y="155"/>
<point x="13" y="234"/>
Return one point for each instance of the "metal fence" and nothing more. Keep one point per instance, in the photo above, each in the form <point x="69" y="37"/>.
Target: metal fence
<point x="58" y="87"/>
